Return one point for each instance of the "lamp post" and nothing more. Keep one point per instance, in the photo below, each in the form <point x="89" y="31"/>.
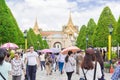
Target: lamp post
<point x="25" y="36"/>
<point x="87" y="41"/>
<point x="109" y="42"/>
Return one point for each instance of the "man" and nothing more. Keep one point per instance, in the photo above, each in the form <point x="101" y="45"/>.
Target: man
<point x="32" y="61"/>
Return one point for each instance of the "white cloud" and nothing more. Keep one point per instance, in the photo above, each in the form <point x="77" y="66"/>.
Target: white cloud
<point x="83" y="0"/>
<point x="53" y="14"/>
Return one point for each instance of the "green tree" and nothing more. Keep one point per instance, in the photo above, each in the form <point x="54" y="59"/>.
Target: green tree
<point x="102" y="32"/>
<point x="81" y="39"/>
<point x="41" y="45"/>
<point x="91" y="26"/>
<point x="46" y="46"/>
<point x="118" y="31"/>
<point x="32" y="39"/>
<point x="9" y="30"/>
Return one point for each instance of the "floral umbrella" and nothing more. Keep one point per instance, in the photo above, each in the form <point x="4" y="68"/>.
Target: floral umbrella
<point x="72" y="48"/>
<point x="9" y="46"/>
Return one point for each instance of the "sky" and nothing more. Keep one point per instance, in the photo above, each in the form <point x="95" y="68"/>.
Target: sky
<point x="53" y="14"/>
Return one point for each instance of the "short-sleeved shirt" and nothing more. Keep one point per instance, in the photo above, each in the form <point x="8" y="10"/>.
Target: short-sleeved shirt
<point x="17" y="66"/>
<point x="31" y="58"/>
<point x="116" y="74"/>
<point x="4" y="69"/>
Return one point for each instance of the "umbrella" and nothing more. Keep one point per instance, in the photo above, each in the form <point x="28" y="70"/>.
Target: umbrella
<point x="72" y="48"/>
<point x="55" y="50"/>
<point x="9" y="46"/>
<point x="46" y="51"/>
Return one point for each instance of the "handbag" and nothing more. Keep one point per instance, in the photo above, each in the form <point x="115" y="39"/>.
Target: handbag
<point x="86" y="72"/>
<point x="81" y="79"/>
<point x="2" y="76"/>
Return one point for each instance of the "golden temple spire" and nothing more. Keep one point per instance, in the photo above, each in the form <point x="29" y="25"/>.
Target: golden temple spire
<point x="70" y="20"/>
<point x="36" y="27"/>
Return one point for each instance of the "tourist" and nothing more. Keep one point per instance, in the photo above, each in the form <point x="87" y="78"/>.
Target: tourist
<point x="100" y="60"/>
<point x="78" y="58"/>
<point x="69" y="65"/>
<point x="26" y="76"/>
<point x="117" y="63"/>
<point x="48" y="63"/>
<point x="61" y="59"/>
<point x="104" y="54"/>
<point x="90" y="69"/>
<point x="17" y="67"/>
<point x="116" y="74"/>
<point x="5" y="67"/>
<point x="32" y="61"/>
<point x="42" y="61"/>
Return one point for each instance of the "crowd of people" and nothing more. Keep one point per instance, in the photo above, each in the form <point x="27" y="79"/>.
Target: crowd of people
<point x="88" y="64"/>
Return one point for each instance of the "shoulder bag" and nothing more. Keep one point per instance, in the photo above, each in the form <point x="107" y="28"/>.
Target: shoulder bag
<point x="2" y="76"/>
<point x="86" y="72"/>
<point x="84" y="75"/>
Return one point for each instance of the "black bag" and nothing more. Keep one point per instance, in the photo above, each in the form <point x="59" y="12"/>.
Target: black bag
<point x="81" y="79"/>
<point x="47" y="63"/>
<point x="2" y="76"/>
<point x="26" y="78"/>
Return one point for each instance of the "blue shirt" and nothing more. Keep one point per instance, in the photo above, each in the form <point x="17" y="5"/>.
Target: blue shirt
<point x="4" y="69"/>
<point x="116" y="74"/>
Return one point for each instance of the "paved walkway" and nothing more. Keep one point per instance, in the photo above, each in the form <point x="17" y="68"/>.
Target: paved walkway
<point x="41" y="75"/>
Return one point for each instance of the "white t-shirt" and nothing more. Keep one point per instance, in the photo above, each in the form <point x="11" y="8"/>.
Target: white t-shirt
<point x="4" y="69"/>
<point x="32" y="58"/>
<point x="90" y="73"/>
<point x="61" y="57"/>
<point x="70" y="65"/>
<point x="24" y="56"/>
<point x="42" y="57"/>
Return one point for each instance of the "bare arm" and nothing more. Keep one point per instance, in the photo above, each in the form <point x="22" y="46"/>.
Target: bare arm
<point x="38" y="61"/>
<point x="26" y="61"/>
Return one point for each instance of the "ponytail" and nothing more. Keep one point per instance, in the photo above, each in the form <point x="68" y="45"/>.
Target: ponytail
<point x="66" y="58"/>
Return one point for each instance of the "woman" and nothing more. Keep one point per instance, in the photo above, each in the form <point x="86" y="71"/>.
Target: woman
<point x="90" y="66"/>
<point x="48" y="62"/>
<point x="69" y="65"/>
<point x="5" y="67"/>
<point x="100" y="60"/>
<point x="42" y="61"/>
<point x="61" y="59"/>
<point x="17" y="67"/>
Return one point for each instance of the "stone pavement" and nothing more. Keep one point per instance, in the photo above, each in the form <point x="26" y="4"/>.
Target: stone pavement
<point x="41" y="75"/>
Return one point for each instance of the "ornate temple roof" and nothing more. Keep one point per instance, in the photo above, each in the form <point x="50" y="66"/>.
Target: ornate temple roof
<point x="70" y="22"/>
<point x="47" y="33"/>
<point x="36" y="28"/>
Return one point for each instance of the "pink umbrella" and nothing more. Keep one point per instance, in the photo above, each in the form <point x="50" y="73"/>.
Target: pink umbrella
<point x="72" y="48"/>
<point x="9" y="46"/>
<point x="46" y="50"/>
